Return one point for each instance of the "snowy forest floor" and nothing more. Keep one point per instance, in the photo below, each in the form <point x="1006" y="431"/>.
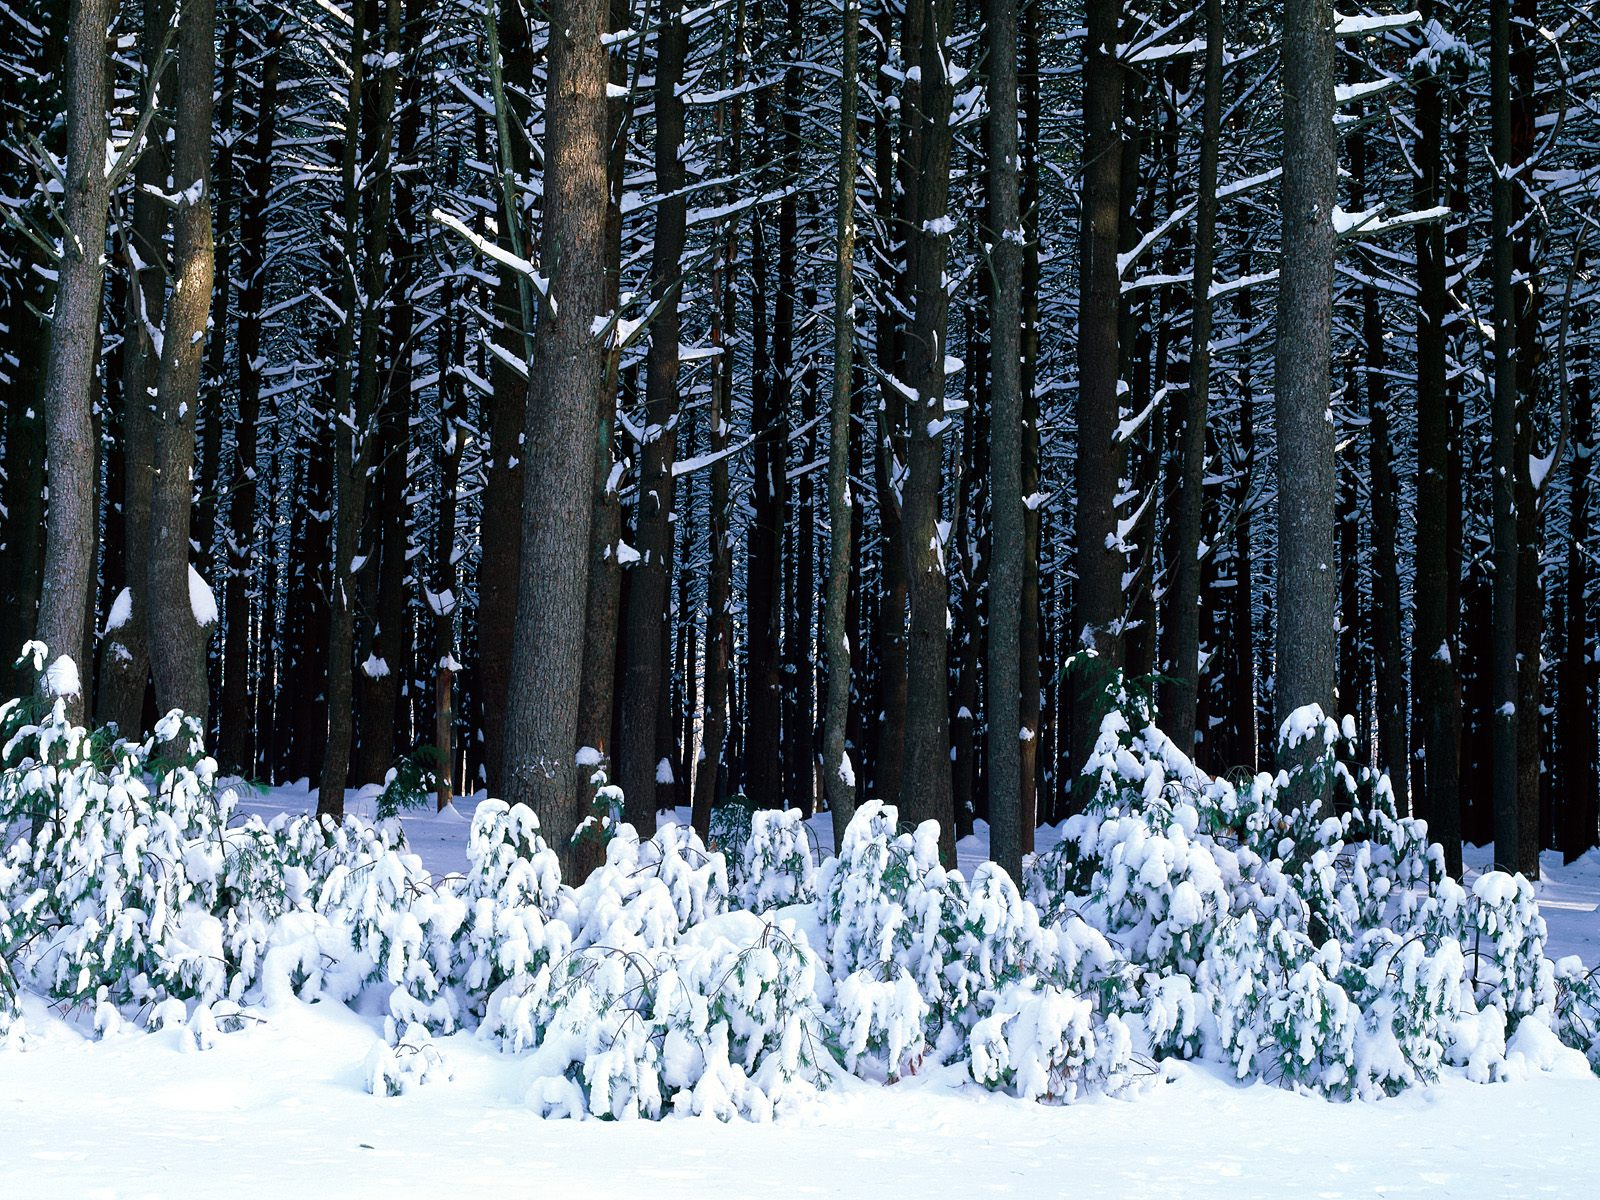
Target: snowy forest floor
<point x="281" y="1108"/>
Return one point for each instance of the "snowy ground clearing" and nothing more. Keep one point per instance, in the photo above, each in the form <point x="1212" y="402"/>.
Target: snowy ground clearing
<point x="281" y="1110"/>
<point x="282" y="1107"/>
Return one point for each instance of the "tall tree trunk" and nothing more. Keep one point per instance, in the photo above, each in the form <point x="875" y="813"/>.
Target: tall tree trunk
<point x="125" y="654"/>
<point x="1097" y="597"/>
<point x="71" y="370"/>
<point x="385" y="690"/>
<point x="1029" y="640"/>
<point x="1579" y="812"/>
<point x="838" y="774"/>
<point x="1180" y="694"/>
<point x="369" y="141"/>
<point x="501" y="519"/>
<point x="649" y="596"/>
<point x="1003" y="652"/>
<point x="1435" y="679"/>
<point x="925" y="787"/>
<point x="719" y="575"/>
<point x="1504" y="468"/>
<point x="443" y="603"/>
<point x="177" y="638"/>
<point x="564" y="402"/>
<point x="1307" y="585"/>
<point x="888" y="722"/>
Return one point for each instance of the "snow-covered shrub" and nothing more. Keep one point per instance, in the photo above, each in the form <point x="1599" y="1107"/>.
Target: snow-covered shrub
<point x="1578" y="1008"/>
<point x="1234" y="983"/>
<point x="731" y="824"/>
<point x="1409" y="993"/>
<point x="886" y="902"/>
<point x="999" y="940"/>
<point x="725" y="1023"/>
<point x="1172" y="1016"/>
<point x="512" y="891"/>
<point x="412" y="782"/>
<point x="401" y="931"/>
<point x="600" y="825"/>
<point x="1508" y="937"/>
<point x="761" y="1036"/>
<point x="1309" y="1022"/>
<point x="11" y="1026"/>
<point x="113" y="895"/>
<point x="776" y="864"/>
<point x="647" y="893"/>
<point x="881" y="1017"/>
<point x="410" y="1061"/>
<point x="1041" y="1043"/>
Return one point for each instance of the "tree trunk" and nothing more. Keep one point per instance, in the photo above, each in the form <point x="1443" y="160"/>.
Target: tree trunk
<point x="564" y="401"/>
<point x="925" y="788"/>
<point x="1180" y="693"/>
<point x="1097" y="598"/>
<point x="501" y="519"/>
<point x="649" y="597"/>
<point x="177" y="638"/>
<point x="71" y="370"/>
<point x="1003" y="652"/>
<point x="1579" y="813"/>
<point x="1504" y="468"/>
<point x="1307" y="585"/>
<point x="838" y="774"/>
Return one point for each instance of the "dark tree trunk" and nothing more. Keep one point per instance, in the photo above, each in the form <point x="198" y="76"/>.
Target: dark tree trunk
<point x="177" y="640"/>
<point x="1097" y="596"/>
<point x="649" y="596"/>
<point x="1306" y="586"/>
<point x="1180" y="696"/>
<point x="71" y="369"/>
<point x="1504" y="470"/>
<point x="501" y="519"/>
<point x="1579" y="811"/>
<point x="1435" y="678"/>
<point x="1005" y="236"/>
<point x="925" y="786"/>
<point x="838" y="774"/>
<point x="125" y="654"/>
<point x="239" y="740"/>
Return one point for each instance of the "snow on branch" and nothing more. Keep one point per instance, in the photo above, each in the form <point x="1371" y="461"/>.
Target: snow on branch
<point x="1344" y="27"/>
<point x="1372" y="221"/>
<point x="500" y="255"/>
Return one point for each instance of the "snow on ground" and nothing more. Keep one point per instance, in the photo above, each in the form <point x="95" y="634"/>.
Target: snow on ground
<point x="280" y="1108"/>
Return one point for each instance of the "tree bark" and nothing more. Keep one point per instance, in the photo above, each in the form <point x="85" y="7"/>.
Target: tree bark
<point x="1097" y="473"/>
<point x="1503" y="439"/>
<point x="1003" y="652"/>
<point x="649" y="598"/>
<point x="239" y="743"/>
<point x="177" y="640"/>
<point x="71" y="371"/>
<point x="1307" y="583"/>
<point x="564" y="399"/>
<point x="925" y="788"/>
<point x="1180" y="693"/>
<point x="838" y="775"/>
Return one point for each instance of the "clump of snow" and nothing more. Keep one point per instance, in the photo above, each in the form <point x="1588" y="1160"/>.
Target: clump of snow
<point x="202" y="602"/>
<point x="61" y="678"/>
<point x="121" y="610"/>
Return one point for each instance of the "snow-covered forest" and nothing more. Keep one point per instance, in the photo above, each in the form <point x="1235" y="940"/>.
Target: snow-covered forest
<point x="722" y="552"/>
